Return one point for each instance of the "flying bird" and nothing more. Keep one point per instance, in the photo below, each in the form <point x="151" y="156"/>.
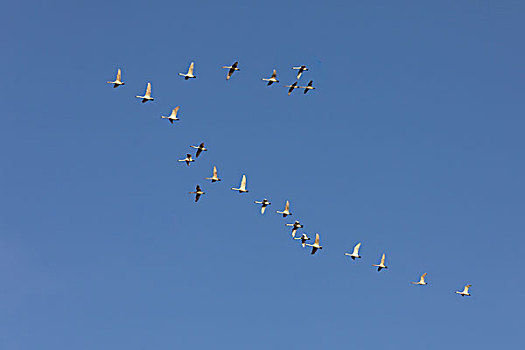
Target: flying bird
<point x="232" y="69"/>
<point x="272" y="79"/>
<point x="308" y="87"/>
<point x="264" y="203"/>
<point x="286" y="210"/>
<point x="188" y="159"/>
<point x="173" y="116"/>
<point x="303" y="239"/>
<point x="147" y="96"/>
<point x="198" y="192"/>
<point x="465" y="291"/>
<point x="421" y="280"/>
<point x="292" y="88"/>
<point x="355" y="253"/>
<point x="214" y="177"/>
<point x="117" y="81"/>
<point x="199" y="149"/>
<point x="242" y="188"/>
<point x="316" y="245"/>
<point x="382" y="264"/>
<point x="295" y="226"/>
<point x="300" y="69"/>
<point x="189" y="75"/>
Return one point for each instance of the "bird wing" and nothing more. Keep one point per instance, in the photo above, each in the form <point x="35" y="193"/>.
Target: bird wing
<point x="197" y="196"/>
<point x="274" y="74"/>
<point x="466" y="288"/>
<point x="263" y="209"/>
<point x="310" y="83"/>
<point x="199" y="151"/>
<point x="214" y="171"/>
<point x="356" y="249"/>
<point x="316" y="239"/>
<point x="243" y="183"/>
<point x="148" y="90"/>
<point x="198" y="188"/>
<point x="188" y="155"/>
<point x="299" y="74"/>
<point x="119" y="73"/>
<point x="314" y="249"/>
<point x="235" y="65"/>
<point x="422" y="279"/>
<point x="230" y="72"/>
<point x="175" y="111"/>
<point x="190" y="70"/>
<point x="287" y="206"/>
<point x="383" y="259"/>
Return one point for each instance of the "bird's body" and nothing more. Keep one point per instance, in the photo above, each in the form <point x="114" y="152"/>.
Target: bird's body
<point x="316" y="245"/>
<point x="189" y="75"/>
<point x="292" y="88"/>
<point x="214" y="177"/>
<point x="355" y="253"/>
<point x="264" y="203"/>
<point x="198" y="192"/>
<point x="118" y="81"/>
<point x="303" y="239"/>
<point x="464" y="292"/>
<point x="272" y="79"/>
<point x="188" y="159"/>
<point x="147" y="96"/>
<point x="308" y="87"/>
<point x="421" y="280"/>
<point x="173" y="116"/>
<point x="231" y="70"/>
<point x="200" y="148"/>
<point x="286" y="210"/>
<point x="242" y="188"/>
<point x="300" y="70"/>
<point x="382" y="264"/>
<point x="295" y="226"/>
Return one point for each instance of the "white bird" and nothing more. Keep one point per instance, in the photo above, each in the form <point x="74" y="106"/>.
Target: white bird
<point x="147" y="96"/>
<point x="199" y="149"/>
<point x="303" y="239"/>
<point x="214" y="177"/>
<point x="292" y="88"/>
<point x="198" y="192"/>
<point x="189" y="75"/>
<point x="188" y="159"/>
<point x="308" y="87"/>
<point x="173" y="116"/>
<point x="301" y="70"/>
<point x="355" y="253"/>
<point x="286" y="210"/>
<point x="382" y="264"/>
<point x="272" y="79"/>
<point x="295" y="226"/>
<point x="117" y="81"/>
<point x="232" y="69"/>
<point x="421" y="280"/>
<point x="316" y="245"/>
<point x="465" y="291"/>
<point x="242" y="188"/>
<point x="264" y="203"/>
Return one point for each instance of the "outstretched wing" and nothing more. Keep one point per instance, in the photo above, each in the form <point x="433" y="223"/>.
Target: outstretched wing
<point x="198" y="188"/>
<point x="310" y="83"/>
<point x="175" y="111"/>
<point x="274" y="74"/>
<point x="148" y="90"/>
<point x="314" y="249"/>
<point x="466" y="288"/>
<point x="197" y="196"/>
<point x="316" y="239"/>
<point x="356" y="249"/>
<point x="287" y="206"/>
<point x="190" y="71"/>
<point x="383" y="259"/>
<point x="243" y="182"/>
<point x="188" y="155"/>
<point x="422" y="279"/>
<point x="214" y="171"/>
<point x="199" y="151"/>
<point x="119" y="73"/>
<point x="235" y="64"/>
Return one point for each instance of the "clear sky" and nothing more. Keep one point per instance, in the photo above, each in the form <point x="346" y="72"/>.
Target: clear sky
<point x="412" y="143"/>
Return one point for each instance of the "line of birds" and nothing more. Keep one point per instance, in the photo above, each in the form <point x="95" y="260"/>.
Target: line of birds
<point x="242" y="187"/>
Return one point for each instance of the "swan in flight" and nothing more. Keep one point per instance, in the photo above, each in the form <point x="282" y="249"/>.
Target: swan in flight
<point x="198" y="192"/>
<point x="264" y="203"/>
<point x="292" y="88"/>
<point x="188" y="159"/>
<point x="303" y="239"/>
<point x="272" y="79"/>
<point x="232" y="69"/>
<point x="355" y="253"/>
<point x="421" y="280"/>
<point x="214" y="177"/>
<point x="241" y="189"/>
<point x="465" y="291"/>
<point x="382" y="264"/>
<point x="173" y="116"/>
<point x="300" y="69"/>
<point x="117" y="81"/>
<point x="147" y="96"/>
<point x="316" y="245"/>
<point x="199" y="149"/>
<point x="308" y="87"/>
<point x="295" y="226"/>
<point x="286" y="210"/>
<point x="189" y="75"/>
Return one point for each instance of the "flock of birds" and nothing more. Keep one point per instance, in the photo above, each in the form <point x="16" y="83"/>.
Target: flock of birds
<point x="242" y="187"/>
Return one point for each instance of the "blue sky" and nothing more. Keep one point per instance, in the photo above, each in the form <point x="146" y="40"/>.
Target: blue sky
<point x="412" y="143"/>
